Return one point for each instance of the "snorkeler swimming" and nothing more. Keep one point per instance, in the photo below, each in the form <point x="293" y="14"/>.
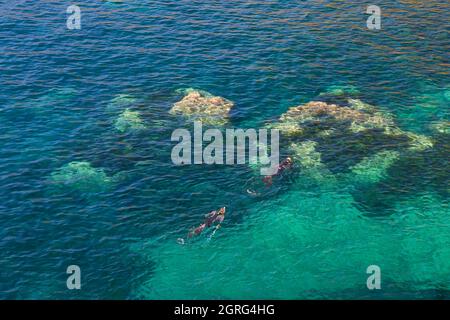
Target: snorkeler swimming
<point x="268" y="180"/>
<point x="285" y="164"/>
<point x="197" y="230"/>
<point x="214" y="217"/>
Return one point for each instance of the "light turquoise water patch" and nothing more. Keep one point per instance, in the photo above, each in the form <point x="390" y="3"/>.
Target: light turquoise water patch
<point x="298" y="246"/>
<point x="429" y="103"/>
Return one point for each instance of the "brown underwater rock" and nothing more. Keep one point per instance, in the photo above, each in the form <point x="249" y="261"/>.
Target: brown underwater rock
<point x="334" y="138"/>
<point x="321" y="119"/>
<point x="296" y="118"/>
<point x="200" y="106"/>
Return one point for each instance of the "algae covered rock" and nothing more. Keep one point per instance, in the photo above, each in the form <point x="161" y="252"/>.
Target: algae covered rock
<point x="319" y="120"/>
<point x="306" y="154"/>
<point x="129" y="121"/>
<point x="374" y="169"/>
<point x="309" y="160"/>
<point x="419" y="142"/>
<point x="415" y="141"/>
<point x="81" y="176"/>
<point x="317" y="116"/>
<point x="442" y="127"/>
<point x="201" y="106"/>
<point x="340" y="90"/>
<point x="357" y="139"/>
<point x="288" y="128"/>
<point x="360" y="105"/>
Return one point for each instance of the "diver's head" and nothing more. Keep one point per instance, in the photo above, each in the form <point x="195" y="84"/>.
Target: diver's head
<point x="222" y="211"/>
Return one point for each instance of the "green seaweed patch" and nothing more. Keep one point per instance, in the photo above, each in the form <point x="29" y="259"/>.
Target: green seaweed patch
<point x="419" y="142"/>
<point x="416" y="142"/>
<point x="129" y="121"/>
<point x="306" y="155"/>
<point x="442" y="127"/>
<point x="287" y="128"/>
<point x="310" y="162"/>
<point x="360" y="105"/>
<point x="81" y="176"/>
<point x="340" y="90"/>
<point x="374" y="169"/>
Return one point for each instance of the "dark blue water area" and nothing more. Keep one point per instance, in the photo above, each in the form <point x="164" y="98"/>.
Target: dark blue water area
<point x="266" y="56"/>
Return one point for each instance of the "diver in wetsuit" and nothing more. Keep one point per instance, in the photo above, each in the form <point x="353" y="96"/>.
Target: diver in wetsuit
<point x="285" y="164"/>
<point x="214" y="217"/>
<point x="267" y="180"/>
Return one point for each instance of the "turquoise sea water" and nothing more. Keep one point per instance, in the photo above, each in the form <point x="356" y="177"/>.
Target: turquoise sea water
<point x="302" y="239"/>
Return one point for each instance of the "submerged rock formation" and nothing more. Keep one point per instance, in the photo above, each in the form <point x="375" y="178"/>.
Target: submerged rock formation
<point x="81" y="176"/>
<point x="319" y="116"/>
<point x="355" y="139"/>
<point x="306" y="154"/>
<point x="201" y="106"/>
<point x="309" y="160"/>
<point x="374" y="169"/>
<point x="442" y="127"/>
<point x="129" y="121"/>
<point x="344" y="143"/>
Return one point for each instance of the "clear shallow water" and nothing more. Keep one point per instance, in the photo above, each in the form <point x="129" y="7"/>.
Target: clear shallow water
<point x="301" y="240"/>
